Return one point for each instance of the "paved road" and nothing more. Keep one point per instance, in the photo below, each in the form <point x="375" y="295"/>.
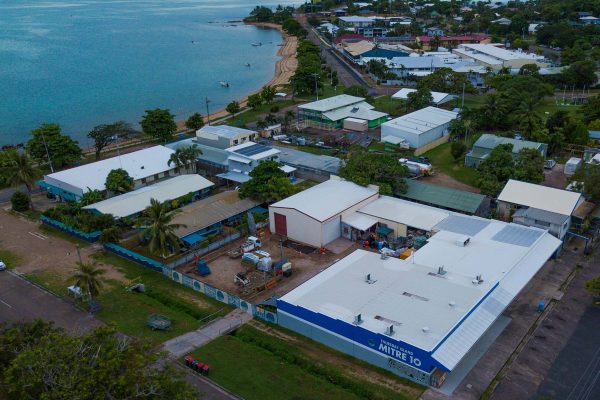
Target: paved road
<point x="21" y="301"/>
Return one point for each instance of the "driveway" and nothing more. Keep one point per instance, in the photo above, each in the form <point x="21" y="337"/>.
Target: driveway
<point x="21" y="301"/>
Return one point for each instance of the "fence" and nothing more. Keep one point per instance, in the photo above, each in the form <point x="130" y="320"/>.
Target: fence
<point x="204" y="250"/>
<point x="88" y="237"/>
<point x="194" y="284"/>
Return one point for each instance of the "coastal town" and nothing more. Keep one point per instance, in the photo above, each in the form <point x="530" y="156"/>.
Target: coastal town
<point x="408" y="209"/>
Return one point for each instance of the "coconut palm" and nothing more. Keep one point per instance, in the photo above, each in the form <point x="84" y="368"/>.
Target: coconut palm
<point x="18" y="169"/>
<point x="177" y="159"/>
<point x="527" y="116"/>
<point x="157" y="228"/>
<point x="88" y="277"/>
<point x="190" y="154"/>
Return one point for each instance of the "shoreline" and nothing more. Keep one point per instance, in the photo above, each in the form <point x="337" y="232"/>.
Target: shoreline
<point x="285" y="68"/>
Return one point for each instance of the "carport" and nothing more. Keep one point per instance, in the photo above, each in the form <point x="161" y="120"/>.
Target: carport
<point x="356" y="226"/>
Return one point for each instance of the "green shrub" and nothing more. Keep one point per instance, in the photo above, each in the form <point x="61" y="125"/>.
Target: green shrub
<point x="72" y="215"/>
<point x="19" y="201"/>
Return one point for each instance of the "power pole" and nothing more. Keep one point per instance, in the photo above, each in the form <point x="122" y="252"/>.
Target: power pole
<point x="207" y="112"/>
<point x="47" y="152"/>
<point x="316" y="76"/>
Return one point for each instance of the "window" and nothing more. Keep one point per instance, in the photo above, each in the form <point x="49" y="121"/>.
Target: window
<point x="155" y="177"/>
<point x="143" y="181"/>
<point x="235" y="142"/>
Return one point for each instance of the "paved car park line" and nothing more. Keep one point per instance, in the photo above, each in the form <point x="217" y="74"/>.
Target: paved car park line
<point x="6" y="304"/>
<point x="38" y="235"/>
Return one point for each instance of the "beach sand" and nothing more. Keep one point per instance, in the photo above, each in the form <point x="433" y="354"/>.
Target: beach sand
<point x="284" y="69"/>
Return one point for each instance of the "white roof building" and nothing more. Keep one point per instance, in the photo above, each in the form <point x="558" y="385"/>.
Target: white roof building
<point x="136" y="201"/>
<point x="332" y="103"/>
<point x="495" y="56"/>
<point x="421" y="127"/>
<point x="438" y="97"/>
<point x="141" y="164"/>
<point x="425" y="312"/>
<point x="223" y="136"/>
<point x="545" y="198"/>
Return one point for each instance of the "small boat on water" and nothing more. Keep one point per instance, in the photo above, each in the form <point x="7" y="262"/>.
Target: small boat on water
<point x="247" y="65"/>
<point x="257" y="44"/>
<point x="224" y="84"/>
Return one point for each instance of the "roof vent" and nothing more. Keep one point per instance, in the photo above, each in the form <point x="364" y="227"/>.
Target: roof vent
<point x="452" y="303"/>
<point x="425" y="329"/>
<point x="478" y="280"/>
<point x="369" y="280"/>
<point x="142" y="167"/>
<point x="358" y="320"/>
<point x="390" y="330"/>
<point x="463" y="242"/>
<point x="441" y="270"/>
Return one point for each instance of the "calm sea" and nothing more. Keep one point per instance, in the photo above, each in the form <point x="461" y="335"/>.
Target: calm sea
<point x="81" y="63"/>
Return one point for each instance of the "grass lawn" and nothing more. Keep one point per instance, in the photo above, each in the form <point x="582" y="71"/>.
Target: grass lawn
<point x="442" y="160"/>
<point x="11" y="259"/>
<point x="388" y="105"/>
<point x="256" y="365"/>
<point x="247" y="117"/>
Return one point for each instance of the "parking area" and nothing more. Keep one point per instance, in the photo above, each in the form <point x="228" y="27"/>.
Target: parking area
<point x="21" y="301"/>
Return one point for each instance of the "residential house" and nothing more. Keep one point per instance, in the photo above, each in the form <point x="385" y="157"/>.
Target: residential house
<point x="487" y="142"/>
<point x="331" y="112"/>
<point x="223" y="136"/>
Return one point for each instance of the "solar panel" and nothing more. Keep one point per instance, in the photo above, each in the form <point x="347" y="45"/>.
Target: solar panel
<point x="252" y="150"/>
<point x="517" y="235"/>
<point x="462" y="225"/>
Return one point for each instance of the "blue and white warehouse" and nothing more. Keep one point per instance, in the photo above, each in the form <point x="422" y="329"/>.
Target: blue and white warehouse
<point x="420" y="317"/>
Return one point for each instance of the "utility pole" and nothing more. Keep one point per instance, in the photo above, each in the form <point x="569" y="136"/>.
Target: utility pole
<point x="207" y="112"/>
<point x="78" y="253"/>
<point x="463" y="97"/>
<point x="316" y="76"/>
<point x="47" y="152"/>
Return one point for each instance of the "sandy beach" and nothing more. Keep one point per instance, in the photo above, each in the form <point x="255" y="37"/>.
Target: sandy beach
<point x="284" y="68"/>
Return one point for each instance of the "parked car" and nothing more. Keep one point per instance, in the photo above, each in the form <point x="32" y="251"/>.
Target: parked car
<point x="549" y="164"/>
<point x="2" y="265"/>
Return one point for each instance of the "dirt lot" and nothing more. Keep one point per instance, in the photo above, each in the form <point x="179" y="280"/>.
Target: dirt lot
<point x="555" y="177"/>
<point x="439" y="178"/>
<point x="223" y="269"/>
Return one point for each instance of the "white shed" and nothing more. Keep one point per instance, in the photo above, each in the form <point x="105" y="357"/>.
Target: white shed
<point x="421" y="127"/>
<point x="314" y="216"/>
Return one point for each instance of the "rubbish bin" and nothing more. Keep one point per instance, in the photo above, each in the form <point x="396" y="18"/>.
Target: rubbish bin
<point x="200" y="367"/>
<point x="205" y="370"/>
<point x="188" y="361"/>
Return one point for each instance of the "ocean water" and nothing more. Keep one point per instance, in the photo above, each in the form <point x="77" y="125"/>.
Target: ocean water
<point x="81" y="63"/>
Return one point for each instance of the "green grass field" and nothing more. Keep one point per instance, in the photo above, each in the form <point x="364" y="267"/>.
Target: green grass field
<point x="256" y="365"/>
<point x="11" y="259"/>
<point x="442" y="160"/>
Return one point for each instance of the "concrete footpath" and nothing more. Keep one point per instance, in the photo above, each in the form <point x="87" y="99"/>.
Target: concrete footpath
<point x="182" y="345"/>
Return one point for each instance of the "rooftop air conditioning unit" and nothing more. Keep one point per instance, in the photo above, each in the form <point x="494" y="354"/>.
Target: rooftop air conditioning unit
<point x="463" y="242"/>
<point x="369" y="280"/>
<point x="390" y="330"/>
<point x="425" y="329"/>
<point x="358" y="320"/>
<point x="441" y="270"/>
<point x="478" y="280"/>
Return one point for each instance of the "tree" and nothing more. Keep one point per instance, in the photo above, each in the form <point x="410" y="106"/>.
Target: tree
<point x="527" y="117"/>
<point x="49" y="142"/>
<point x="530" y="69"/>
<point x="91" y="197"/>
<point x="189" y="156"/>
<point x="40" y="361"/>
<point x="195" y="121"/>
<point x="268" y="183"/>
<point x="119" y="181"/>
<point x="383" y="170"/>
<point x="103" y="135"/>
<point x="580" y="74"/>
<point x="496" y="170"/>
<point x="589" y="175"/>
<point x="110" y="235"/>
<point x="160" y="124"/>
<point x="288" y="117"/>
<point x="18" y="169"/>
<point x="268" y="94"/>
<point x="19" y="201"/>
<point x="177" y="158"/>
<point x="494" y="113"/>
<point x="447" y="81"/>
<point x="529" y="166"/>
<point x="254" y="100"/>
<point x="262" y="14"/>
<point x="458" y="149"/>
<point x="233" y="108"/>
<point x="357" y="90"/>
<point x="591" y="109"/>
<point x="158" y="229"/>
<point x="88" y="277"/>
<point x="419" y="99"/>
<point x="593" y="286"/>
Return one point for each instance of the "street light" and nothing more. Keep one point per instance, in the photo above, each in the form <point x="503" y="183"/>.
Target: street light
<point x="47" y="152"/>
<point x="207" y="112"/>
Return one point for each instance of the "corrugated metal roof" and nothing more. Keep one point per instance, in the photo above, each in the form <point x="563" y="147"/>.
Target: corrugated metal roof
<point x="308" y="160"/>
<point x="224" y="131"/>
<point x="440" y="196"/>
<point x="134" y="202"/>
<point x="421" y="121"/>
<point x="541" y="197"/>
<point x="487" y="141"/>
<point x="362" y="111"/>
<point x="332" y="103"/>
<point x="437" y="97"/>
<point x="405" y="212"/>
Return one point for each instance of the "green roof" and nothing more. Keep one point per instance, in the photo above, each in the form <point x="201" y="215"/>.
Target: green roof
<point x="452" y="199"/>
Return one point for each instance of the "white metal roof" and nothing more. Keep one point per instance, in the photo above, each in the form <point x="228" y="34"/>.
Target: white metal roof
<point x="138" y="164"/>
<point x="332" y="103"/>
<point x="224" y="131"/>
<point x="239" y="153"/>
<point x="362" y="111"/>
<point x="499" y="53"/>
<point x="355" y="18"/>
<point x="541" y="197"/>
<point x="422" y="120"/>
<point x="413" y="294"/>
<point x="405" y="212"/>
<point x="359" y="221"/>
<point x="438" y="97"/>
<point x="133" y="202"/>
<point x="327" y="199"/>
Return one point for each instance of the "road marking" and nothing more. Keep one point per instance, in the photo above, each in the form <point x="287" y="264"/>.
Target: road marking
<point x="6" y="304"/>
<point x="38" y="235"/>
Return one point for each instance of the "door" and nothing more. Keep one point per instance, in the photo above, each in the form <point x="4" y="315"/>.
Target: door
<point x="280" y="224"/>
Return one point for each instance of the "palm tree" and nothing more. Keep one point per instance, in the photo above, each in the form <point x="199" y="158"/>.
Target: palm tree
<point x="177" y="159"/>
<point x="157" y="228"/>
<point x="190" y="154"/>
<point x="527" y="116"/>
<point x="18" y="169"/>
<point x="88" y="277"/>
